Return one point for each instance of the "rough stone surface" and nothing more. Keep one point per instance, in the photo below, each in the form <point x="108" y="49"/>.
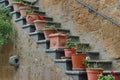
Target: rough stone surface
<point x="102" y="35"/>
<point x="35" y="64"/>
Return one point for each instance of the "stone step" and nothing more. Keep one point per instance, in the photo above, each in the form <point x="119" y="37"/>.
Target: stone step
<point x="31" y="27"/>
<point x="37" y="36"/>
<point x="77" y="75"/>
<point x="44" y="42"/>
<point x="55" y="53"/>
<point x="82" y="75"/>
<point x="64" y="63"/>
<point x="105" y="64"/>
<point x="28" y="27"/>
<point x="22" y="21"/>
<point x="40" y="13"/>
<point x="58" y="53"/>
<point x="15" y="14"/>
<point x="64" y="31"/>
<point x="74" y="38"/>
<point x="4" y="2"/>
<point x="92" y="55"/>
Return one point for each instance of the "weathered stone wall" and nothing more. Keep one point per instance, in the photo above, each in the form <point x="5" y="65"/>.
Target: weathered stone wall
<point x="102" y="35"/>
<point x="35" y="64"/>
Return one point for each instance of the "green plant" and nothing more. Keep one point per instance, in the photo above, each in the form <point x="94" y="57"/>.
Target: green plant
<point x="70" y="43"/>
<point x="106" y="77"/>
<point x="29" y="11"/>
<point x="5" y="25"/>
<point x="83" y="47"/>
<point x="5" y="13"/>
<point x="49" y="26"/>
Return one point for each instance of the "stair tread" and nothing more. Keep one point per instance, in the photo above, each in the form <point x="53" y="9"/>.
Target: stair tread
<point x="62" y="60"/>
<point x="13" y="12"/>
<point x="33" y="33"/>
<point x="27" y="25"/>
<point x="41" y="41"/>
<point x="52" y="50"/>
<point x="101" y="61"/>
<point x="84" y="72"/>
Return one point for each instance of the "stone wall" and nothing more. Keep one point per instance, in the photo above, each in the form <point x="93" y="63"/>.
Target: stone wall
<point x="35" y="64"/>
<point x="102" y="35"/>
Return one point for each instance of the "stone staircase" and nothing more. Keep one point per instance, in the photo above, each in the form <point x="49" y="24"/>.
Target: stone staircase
<point x="56" y="54"/>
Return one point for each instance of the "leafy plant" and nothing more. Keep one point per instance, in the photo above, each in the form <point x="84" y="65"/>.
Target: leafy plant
<point x="70" y="44"/>
<point x="49" y="26"/>
<point x="83" y="47"/>
<point x="5" y="25"/>
<point x="106" y="77"/>
<point x="5" y="13"/>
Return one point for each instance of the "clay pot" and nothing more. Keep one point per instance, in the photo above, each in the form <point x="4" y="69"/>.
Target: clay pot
<point x="48" y="31"/>
<point x="16" y="6"/>
<point x="23" y="10"/>
<point x="92" y="73"/>
<point x="57" y="40"/>
<point x="68" y="52"/>
<point x="77" y="61"/>
<point x="39" y="24"/>
<point x="30" y="18"/>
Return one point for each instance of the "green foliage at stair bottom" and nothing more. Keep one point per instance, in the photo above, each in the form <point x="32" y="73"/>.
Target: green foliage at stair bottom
<point x="6" y="30"/>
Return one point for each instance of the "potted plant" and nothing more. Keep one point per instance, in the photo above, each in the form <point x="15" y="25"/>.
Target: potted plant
<point x="23" y="10"/>
<point x="106" y="77"/>
<point x="49" y="29"/>
<point x="92" y="71"/>
<point x="57" y="40"/>
<point x="17" y="4"/>
<point x="111" y="76"/>
<point x="78" y="58"/>
<point x="31" y="16"/>
<point x="39" y="24"/>
<point x="69" y="48"/>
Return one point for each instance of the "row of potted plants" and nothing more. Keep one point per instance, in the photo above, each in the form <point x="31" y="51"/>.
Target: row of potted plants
<point x="58" y="40"/>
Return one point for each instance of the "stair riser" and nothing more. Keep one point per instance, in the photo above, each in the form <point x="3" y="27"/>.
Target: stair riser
<point x="56" y="55"/>
<point x="21" y="22"/>
<point x="45" y="45"/>
<point x="93" y="56"/>
<point x="15" y="15"/>
<point x="37" y="37"/>
<point x="79" y="77"/>
<point x="65" y="66"/>
<point x="29" y="29"/>
<point x="74" y="39"/>
<point x="105" y="66"/>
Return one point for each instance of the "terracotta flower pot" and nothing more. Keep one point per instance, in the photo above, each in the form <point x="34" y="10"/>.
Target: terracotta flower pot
<point x="39" y="24"/>
<point x="57" y="40"/>
<point x="30" y="18"/>
<point x="23" y="10"/>
<point x="16" y="6"/>
<point x="92" y="74"/>
<point x="48" y="31"/>
<point x="77" y="61"/>
<point x="68" y="52"/>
